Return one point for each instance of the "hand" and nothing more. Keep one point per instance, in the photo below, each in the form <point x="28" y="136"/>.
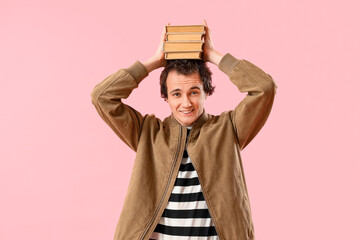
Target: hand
<point x="158" y="59"/>
<point x="210" y="54"/>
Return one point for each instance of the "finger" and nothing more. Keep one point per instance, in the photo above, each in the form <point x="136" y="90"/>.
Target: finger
<point x="207" y="30"/>
<point x="164" y="30"/>
<point x="163" y="34"/>
<point x="207" y="35"/>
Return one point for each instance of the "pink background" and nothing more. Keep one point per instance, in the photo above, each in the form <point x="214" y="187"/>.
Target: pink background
<point x="64" y="173"/>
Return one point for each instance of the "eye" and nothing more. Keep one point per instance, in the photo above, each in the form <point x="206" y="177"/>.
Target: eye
<point x="176" y="94"/>
<point x="194" y="92"/>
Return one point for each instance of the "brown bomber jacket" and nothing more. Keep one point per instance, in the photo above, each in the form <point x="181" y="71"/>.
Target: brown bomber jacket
<point x="214" y="147"/>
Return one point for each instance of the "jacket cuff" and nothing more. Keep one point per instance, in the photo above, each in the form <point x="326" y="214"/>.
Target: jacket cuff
<point x="228" y="63"/>
<point x="137" y="71"/>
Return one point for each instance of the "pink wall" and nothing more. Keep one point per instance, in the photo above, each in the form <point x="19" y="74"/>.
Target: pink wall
<point x="64" y="173"/>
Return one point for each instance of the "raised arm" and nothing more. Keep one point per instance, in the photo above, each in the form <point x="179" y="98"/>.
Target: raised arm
<point x="107" y="97"/>
<point x="252" y="112"/>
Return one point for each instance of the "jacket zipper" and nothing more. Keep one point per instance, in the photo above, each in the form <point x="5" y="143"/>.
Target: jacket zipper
<point x="167" y="186"/>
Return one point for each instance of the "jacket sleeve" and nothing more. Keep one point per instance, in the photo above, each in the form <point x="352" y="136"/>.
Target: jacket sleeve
<point x="252" y="112"/>
<point x="107" y="97"/>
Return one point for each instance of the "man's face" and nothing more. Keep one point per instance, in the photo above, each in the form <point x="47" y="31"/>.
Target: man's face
<point x="186" y="97"/>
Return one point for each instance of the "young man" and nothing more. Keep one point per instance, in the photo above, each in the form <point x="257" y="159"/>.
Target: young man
<point x="188" y="178"/>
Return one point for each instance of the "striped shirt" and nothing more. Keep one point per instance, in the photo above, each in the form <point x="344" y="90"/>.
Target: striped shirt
<point x="186" y="215"/>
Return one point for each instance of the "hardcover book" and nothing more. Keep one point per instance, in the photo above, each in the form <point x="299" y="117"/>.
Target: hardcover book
<point x="186" y="28"/>
<point x="184" y="42"/>
<point x="183" y="46"/>
<point x="184" y="36"/>
<point x="183" y="55"/>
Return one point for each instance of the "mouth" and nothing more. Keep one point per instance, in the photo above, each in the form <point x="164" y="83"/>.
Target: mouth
<point x="187" y="112"/>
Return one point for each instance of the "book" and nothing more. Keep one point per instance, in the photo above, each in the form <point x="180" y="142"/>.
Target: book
<point x="185" y="28"/>
<point x="184" y="36"/>
<point x="184" y="41"/>
<point x="183" y="46"/>
<point x="183" y="55"/>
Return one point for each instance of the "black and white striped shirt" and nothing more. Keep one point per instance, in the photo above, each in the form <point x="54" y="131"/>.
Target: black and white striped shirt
<point x="186" y="215"/>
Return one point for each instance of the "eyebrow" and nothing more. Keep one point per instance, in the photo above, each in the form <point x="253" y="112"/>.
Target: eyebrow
<point x="179" y="90"/>
<point x="195" y="87"/>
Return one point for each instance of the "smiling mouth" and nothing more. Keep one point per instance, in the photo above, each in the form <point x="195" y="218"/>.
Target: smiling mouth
<point x="188" y="111"/>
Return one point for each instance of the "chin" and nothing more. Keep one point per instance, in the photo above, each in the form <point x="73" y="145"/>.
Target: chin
<point x="188" y="124"/>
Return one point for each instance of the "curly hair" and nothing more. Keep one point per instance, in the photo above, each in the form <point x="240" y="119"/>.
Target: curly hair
<point x="187" y="67"/>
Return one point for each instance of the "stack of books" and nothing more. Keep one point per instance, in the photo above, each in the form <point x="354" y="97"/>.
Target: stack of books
<point x="184" y="42"/>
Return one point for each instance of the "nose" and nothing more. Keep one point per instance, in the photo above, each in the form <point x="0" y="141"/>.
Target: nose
<point x="186" y="102"/>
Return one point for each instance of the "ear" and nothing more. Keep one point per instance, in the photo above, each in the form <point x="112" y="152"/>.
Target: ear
<point x="166" y="100"/>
